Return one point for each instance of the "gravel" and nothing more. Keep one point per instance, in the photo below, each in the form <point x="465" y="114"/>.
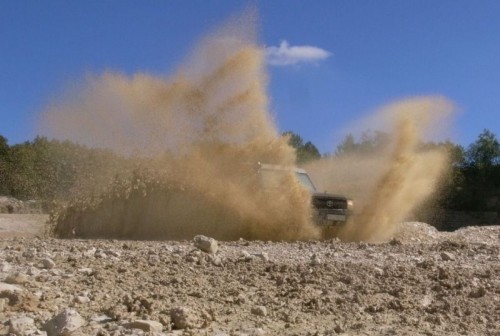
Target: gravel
<point x="423" y="282"/>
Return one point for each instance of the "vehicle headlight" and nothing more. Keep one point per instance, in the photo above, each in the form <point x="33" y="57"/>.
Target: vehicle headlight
<point x="350" y="204"/>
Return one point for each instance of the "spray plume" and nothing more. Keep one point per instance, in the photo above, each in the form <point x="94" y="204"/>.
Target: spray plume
<point x="390" y="183"/>
<point x="193" y="141"/>
<point x="187" y="145"/>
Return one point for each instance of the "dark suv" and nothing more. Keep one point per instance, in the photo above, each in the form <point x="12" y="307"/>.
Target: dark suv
<point x="329" y="209"/>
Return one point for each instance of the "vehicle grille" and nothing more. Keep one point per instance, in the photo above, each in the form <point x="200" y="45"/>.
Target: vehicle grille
<point x="329" y="203"/>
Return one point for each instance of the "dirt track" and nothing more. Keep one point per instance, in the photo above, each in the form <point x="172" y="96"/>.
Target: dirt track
<point x="21" y="225"/>
<point x="421" y="283"/>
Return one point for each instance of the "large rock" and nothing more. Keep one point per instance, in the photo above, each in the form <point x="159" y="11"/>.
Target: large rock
<point x="183" y="318"/>
<point x="9" y="294"/>
<point x="5" y="267"/>
<point x="3" y="304"/>
<point x="48" y="263"/>
<point x="17" y="278"/>
<point x="22" y="326"/>
<point x="145" y="325"/>
<point x="206" y="244"/>
<point x="8" y="289"/>
<point x="259" y="311"/>
<point x="64" y="323"/>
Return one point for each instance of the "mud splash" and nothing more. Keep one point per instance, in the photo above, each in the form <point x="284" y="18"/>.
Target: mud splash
<point x="189" y="145"/>
<point x="387" y="185"/>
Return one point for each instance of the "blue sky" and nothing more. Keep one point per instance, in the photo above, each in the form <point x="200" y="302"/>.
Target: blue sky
<point x="374" y="52"/>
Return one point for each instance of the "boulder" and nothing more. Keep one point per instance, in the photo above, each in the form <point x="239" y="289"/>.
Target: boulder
<point x="6" y="289"/>
<point x="64" y="324"/>
<point x="145" y="325"/>
<point x="259" y="311"/>
<point x="17" y="278"/>
<point x="447" y="256"/>
<point x="48" y="263"/>
<point x="206" y="244"/>
<point x="22" y="326"/>
<point x="182" y="318"/>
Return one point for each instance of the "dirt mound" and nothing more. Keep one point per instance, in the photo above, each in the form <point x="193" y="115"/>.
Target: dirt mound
<point x="479" y="234"/>
<point x="416" y="232"/>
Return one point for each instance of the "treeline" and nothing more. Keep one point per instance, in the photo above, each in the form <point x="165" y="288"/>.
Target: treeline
<point x="473" y="181"/>
<point x="48" y="170"/>
<point x="475" y="176"/>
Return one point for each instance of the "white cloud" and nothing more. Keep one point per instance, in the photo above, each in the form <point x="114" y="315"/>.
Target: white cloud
<point x="289" y="55"/>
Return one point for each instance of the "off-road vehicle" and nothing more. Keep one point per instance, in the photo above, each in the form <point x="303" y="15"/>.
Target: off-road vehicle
<point x="328" y="209"/>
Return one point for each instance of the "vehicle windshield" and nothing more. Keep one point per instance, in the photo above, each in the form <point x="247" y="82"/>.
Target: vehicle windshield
<point x="306" y="181"/>
<point x="275" y="178"/>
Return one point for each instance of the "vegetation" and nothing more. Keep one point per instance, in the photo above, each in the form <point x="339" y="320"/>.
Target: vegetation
<point x="305" y="151"/>
<point x="370" y="142"/>
<point x="480" y="183"/>
<point x="473" y="183"/>
<point x="49" y="169"/>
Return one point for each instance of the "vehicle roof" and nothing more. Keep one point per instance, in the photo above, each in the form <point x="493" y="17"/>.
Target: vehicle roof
<point x="279" y="167"/>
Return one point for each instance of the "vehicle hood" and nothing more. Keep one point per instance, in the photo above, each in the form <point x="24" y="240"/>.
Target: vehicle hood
<point x="325" y="194"/>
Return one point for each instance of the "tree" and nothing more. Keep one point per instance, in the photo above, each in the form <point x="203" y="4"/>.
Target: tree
<point x="305" y="151"/>
<point x="4" y="147"/>
<point x="4" y="153"/>
<point x="48" y="169"/>
<point x="347" y="146"/>
<point x="21" y="173"/>
<point x="294" y="139"/>
<point x="481" y="175"/>
<point x="450" y="193"/>
<point x="485" y="151"/>
<point x="370" y="143"/>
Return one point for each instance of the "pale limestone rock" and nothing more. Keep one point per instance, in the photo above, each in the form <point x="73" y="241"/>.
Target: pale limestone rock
<point x="145" y="325"/>
<point x="64" y="323"/>
<point x="206" y="244"/>
<point x="22" y="326"/>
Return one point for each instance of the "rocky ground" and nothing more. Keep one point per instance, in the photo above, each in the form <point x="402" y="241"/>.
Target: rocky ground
<point x="422" y="282"/>
<point x="21" y="225"/>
